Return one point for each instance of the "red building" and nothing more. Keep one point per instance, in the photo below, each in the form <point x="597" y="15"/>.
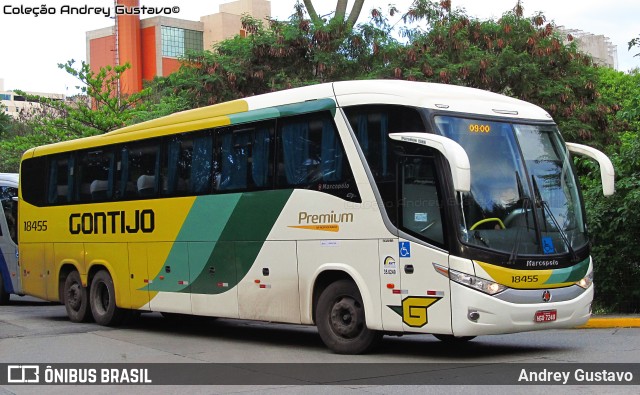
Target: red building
<point x="153" y="46"/>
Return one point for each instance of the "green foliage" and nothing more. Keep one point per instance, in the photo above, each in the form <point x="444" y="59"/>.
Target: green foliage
<point x="10" y="132"/>
<point x="635" y="42"/>
<point x="615" y="227"/>
<point x="5" y="122"/>
<point x="98" y="109"/>
<point x="624" y="90"/>
<point x="615" y="221"/>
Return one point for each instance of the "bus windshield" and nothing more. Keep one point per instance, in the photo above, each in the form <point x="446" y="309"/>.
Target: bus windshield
<point x="524" y="197"/>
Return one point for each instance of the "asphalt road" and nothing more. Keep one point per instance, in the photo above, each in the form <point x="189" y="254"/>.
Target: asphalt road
<point x="32" y="331"/>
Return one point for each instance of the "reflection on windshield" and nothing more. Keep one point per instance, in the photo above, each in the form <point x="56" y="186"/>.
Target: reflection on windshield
<point x="515" y="171"/>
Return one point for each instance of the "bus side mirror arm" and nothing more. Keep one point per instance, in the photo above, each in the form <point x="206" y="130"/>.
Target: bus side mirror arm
<point x="607" y="173"/>
<point x="452" y="151"/>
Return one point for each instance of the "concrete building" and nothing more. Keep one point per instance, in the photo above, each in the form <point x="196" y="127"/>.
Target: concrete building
<point x="603" y="52"/>
<point x="227" y="23"/>
<point x="14" y="103"/>
<point x="154" y="46"/>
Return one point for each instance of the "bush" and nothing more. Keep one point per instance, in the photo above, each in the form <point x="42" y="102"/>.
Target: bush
<point x="615" y="230"/>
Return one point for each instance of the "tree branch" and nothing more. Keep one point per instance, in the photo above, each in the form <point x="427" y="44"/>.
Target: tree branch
<point x="312" y="11"/>
<point x="355" y="13"/>
<point x="341" y="10"/>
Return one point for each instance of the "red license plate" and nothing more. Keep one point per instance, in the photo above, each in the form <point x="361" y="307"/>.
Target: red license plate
<point x="545" y="315"/>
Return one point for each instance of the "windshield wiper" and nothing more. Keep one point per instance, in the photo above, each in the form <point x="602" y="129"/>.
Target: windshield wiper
<point x="546" y="209"/>
<point x="526" y="204"/>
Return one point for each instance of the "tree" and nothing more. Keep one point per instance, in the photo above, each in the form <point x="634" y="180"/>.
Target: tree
<point x="614" y="228"/>
<point x="99" y="108"/>
<point x="615" y="221"/>
<point x="623" y="89"/>
<point x="635" y="42"/>
<point x="5" y="121"/>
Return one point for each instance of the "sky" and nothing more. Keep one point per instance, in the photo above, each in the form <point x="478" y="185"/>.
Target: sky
<point x="32" y="46"/>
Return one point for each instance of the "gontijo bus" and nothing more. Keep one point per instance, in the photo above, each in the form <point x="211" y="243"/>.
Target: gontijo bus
<point x="9" y="270"/>
<point x="363" y="207"/>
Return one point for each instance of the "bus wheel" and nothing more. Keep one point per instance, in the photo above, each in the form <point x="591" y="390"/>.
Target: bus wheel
<point x="341" y="322"/>
<point x="4" y="296"/>
<point x="103" y="300"/>
<point x="76" y="298"/>
<point x="453" y="339"/>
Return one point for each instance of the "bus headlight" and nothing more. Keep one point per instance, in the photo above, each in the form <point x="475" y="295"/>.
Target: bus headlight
<point x="586" y="281"/>
<point x="487" y="286"/>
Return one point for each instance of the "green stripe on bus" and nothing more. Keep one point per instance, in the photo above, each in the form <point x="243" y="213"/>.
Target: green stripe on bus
<point x="283" y="111"/>
<point x="569" y="274"/>
<point x="236" y="226"/>
<point x="253" y="116"/>
<point x="205" y="222"/>
<point x="241" y="241"/>
<point x="306" y="107"/>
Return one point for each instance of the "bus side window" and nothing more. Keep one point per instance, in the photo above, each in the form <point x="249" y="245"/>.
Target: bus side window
<point x="95" y="176"/>
<point x="311" y="156"/>
<point x="245" y="157"/>
<point x="60" y="179"/>
<point x="140" y="169"/>
<point x="177" y="165"/>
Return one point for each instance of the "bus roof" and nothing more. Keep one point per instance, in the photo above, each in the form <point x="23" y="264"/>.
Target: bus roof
<point x="344" y="93"/>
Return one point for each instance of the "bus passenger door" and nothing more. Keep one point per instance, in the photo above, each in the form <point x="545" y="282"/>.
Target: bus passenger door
<point x="425" y="305"/>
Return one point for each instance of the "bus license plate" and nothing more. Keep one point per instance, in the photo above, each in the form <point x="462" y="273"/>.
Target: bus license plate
<point x="545" y="315"/>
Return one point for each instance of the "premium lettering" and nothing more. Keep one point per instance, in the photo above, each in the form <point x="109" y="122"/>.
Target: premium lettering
<point x="112" y="222"/>
<point x="330" y="218"/>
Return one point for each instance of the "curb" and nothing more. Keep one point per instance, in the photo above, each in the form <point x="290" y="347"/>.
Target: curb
<point x="612" y="322"/>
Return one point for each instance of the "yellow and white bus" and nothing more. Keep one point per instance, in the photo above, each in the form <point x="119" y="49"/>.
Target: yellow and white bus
<point x="363" y="207"/>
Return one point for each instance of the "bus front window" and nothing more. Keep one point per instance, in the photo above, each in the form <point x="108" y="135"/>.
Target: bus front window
<point x="523" y="198"/>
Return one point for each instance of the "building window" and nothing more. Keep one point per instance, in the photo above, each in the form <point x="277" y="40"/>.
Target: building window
<point x="176" y="42"/>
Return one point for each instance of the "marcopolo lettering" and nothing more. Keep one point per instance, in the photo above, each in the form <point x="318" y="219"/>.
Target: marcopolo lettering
<point x="112" y="222"/>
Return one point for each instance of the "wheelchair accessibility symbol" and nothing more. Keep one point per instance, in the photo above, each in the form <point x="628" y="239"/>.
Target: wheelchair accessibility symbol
<point x="405" y="249"/>
<point x="547" y="245"/>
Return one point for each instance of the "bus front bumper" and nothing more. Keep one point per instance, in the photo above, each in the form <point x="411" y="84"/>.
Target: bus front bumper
<point x="475" y="313"/>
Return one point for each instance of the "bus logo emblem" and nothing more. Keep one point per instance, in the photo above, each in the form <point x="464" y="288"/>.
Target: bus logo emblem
<point x="546" y="296"/>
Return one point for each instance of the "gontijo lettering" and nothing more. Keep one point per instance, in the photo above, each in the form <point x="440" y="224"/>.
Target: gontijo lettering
<point x="112" y="222"/>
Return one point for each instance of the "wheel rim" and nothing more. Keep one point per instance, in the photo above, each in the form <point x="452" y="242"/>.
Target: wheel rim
<point x="102" y="298"/>
<point x="74" y="296"/>
<point x="346" y="318"/>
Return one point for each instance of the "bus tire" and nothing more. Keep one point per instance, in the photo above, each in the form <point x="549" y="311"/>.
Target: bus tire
<point x="102" y="298"/>
<point x="76" y="298"/>
<point x="341" y="321"/>
<point x="4" y="296"/>
<point x="451" y="339"/>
